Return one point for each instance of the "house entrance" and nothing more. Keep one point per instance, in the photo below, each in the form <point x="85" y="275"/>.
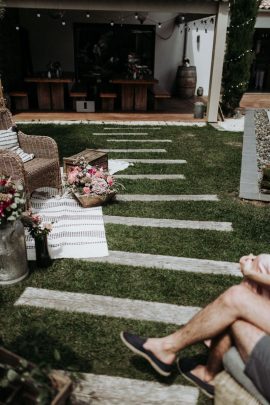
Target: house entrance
<point x="260" y="69"/>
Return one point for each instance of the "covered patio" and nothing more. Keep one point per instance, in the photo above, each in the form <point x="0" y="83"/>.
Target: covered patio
<point x="85" y="48"/>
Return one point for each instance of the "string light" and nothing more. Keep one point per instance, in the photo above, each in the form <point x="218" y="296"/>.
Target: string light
<point x="243" y="24"/>
<point x="17" y="28"/>
<point x="38" y="14"/>
<point x="136" y="16"/>
<point x="237" y="86"/>
<point x="112" y="23"/>
<point x="63" y="22"/>
<point x="87" y="15"/>
<point x="159" y="25"/>
<point x="239" y="57"/>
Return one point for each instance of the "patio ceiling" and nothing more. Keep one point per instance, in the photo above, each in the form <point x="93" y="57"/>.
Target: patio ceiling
<point x="198" y="7"/>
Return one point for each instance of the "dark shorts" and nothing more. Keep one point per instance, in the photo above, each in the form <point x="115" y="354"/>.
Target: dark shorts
<point x="258" y="366"/>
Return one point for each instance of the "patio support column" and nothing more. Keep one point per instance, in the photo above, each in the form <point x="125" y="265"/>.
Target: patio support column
<point x="217" y="61"/>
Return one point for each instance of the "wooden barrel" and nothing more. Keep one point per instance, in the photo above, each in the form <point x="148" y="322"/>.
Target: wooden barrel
<point x="186" y="79"/>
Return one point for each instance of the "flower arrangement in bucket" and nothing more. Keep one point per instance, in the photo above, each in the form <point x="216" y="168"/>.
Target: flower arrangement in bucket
<point x="12" y="200"/>
<point x="39" y="231"/>
<point x="92" y="186"/>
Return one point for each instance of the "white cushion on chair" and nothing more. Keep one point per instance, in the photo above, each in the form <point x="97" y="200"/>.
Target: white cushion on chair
<point x="9" y="140"/>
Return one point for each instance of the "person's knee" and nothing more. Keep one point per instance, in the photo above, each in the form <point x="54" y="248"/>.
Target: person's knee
<point x="235" y="296"/>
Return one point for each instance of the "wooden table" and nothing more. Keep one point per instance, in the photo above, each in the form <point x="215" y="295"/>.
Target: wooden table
<point x="134" y="93"/>
<point x="50" y="92"/>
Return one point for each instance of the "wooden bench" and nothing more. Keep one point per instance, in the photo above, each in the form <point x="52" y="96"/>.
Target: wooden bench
<point x="77" y="93"/>
<point x="158" y="93"/>
<point x="20" y="100"/>
<point x="107" y="100"/>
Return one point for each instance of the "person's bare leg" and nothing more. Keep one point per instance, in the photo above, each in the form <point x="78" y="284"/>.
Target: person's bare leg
<point x="237" y="302"/>
<point x="219" y="346"/>
<point x="246" y="336"/>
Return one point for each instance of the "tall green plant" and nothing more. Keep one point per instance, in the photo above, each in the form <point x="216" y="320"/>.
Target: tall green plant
<point x="238" y="58"/>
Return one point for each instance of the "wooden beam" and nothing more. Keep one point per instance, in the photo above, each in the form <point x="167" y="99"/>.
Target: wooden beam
<point x="183" y="6"/>
<point x="217" y="61"/>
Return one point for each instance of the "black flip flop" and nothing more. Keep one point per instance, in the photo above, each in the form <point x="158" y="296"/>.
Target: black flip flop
<point x="135" y="344"/>
<point x="185" y="366"/>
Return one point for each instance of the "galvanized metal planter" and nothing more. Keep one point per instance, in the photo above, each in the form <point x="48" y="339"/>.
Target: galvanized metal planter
<point x="13" y="256"/>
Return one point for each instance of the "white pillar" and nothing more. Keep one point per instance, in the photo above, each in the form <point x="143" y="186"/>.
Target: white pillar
<point x="217" y="61"/>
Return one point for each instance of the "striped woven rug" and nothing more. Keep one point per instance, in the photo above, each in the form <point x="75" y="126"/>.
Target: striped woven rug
<point x="77" y="232"/>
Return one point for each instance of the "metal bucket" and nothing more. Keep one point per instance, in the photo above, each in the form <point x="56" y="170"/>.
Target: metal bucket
<point x="199" y="109"/>
<point x="186" y="79"/>
<point x="13" y="256"/>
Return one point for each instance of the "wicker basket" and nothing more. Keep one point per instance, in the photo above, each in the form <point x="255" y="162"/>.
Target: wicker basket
<point x="93" y="200"/>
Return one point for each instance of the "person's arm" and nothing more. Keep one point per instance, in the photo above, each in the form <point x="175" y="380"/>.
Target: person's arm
<point x="260" y="278"/>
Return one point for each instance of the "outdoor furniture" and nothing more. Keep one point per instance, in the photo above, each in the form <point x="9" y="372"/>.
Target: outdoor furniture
<point x="20" y="100"/>
<point x="50" y="91"/>
<point x="158" y="93"/>
<point x="134" y="93"/>
<point x="77" y="93"/>
<point x="107" y="101"/>
<point x="233" y="386"/>
<point x="42" y="171"/>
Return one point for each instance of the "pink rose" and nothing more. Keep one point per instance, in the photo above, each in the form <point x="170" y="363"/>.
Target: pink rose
<point x="110" y="180"/>
<point x="86" y="190"/>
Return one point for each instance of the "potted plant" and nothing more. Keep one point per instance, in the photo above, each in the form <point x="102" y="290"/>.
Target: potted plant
<point x="24" y="383"/>
<point x="39" y="231"/>
<point x="92" y="186"/>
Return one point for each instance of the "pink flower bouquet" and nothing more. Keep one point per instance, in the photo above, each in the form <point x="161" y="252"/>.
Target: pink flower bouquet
<point x="91" y="185"/>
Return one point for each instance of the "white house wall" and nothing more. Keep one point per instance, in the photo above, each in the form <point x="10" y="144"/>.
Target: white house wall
<point x="201" y="56"/>
<point x="263" y="20"/>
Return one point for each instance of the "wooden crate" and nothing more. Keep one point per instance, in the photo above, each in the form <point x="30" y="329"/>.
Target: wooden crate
<point x="94" y="157"/>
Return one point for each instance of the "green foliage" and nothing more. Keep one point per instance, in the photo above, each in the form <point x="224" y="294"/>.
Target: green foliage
<point x="236" y="70"/>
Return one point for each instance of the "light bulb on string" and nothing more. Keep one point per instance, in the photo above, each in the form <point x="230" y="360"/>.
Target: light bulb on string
<point x="38" y="14"/>
<point x="17" y="28"/>
<point x="136" y="16"/>
<point x="87" y="15"/>
<point x="159" y="25"/>
<point x="63" y="22"/>
<point x="112" y="23"/>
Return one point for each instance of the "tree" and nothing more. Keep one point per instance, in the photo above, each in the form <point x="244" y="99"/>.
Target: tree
<point x="239" y="54"/>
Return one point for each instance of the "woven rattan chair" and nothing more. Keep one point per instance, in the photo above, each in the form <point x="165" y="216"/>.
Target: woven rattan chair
<point x="42" y="171"/>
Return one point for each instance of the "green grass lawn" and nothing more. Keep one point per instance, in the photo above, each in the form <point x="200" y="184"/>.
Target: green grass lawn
<point x="91" y="343"/>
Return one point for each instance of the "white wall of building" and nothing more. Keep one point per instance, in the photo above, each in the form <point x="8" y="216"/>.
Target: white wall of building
<point x="199" y="50"/>
<point x="263" y="20"/>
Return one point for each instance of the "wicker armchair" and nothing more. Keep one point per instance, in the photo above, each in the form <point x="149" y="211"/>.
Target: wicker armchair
<point x="42" y="171"/>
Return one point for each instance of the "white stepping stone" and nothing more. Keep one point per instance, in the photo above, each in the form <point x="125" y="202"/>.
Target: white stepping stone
<point x="150" y="176"/>
<point x="170" y="263"/>
<point x="156" y="161"/>
<point x="119" y="133"/>
<point x="106" y="306"/>
<point x="135" y="150"/>
<point x="121" y="128"/>
<point x="141" y="140"/>
<point x="168" y="223"/>
<point x="106" y="390"/>
<point x="164" y="197"/>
